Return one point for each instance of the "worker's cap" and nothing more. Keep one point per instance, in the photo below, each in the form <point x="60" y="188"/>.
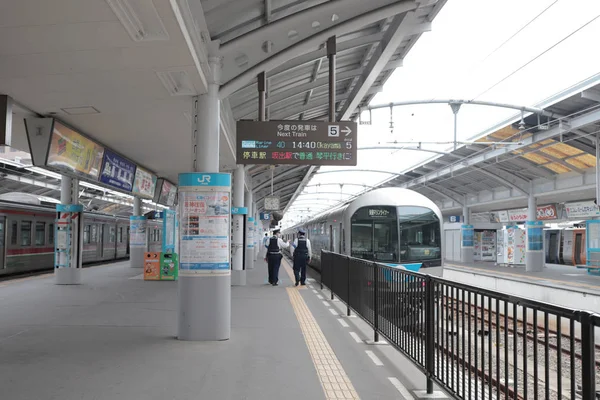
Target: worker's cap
<point x="301" y="231"/>
<point x="276" y="231"/>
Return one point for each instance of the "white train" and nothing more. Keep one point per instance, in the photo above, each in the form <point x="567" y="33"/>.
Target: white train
<point x="397" y="227"/>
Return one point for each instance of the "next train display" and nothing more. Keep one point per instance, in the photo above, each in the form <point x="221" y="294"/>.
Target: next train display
<point x="393" y="226"/>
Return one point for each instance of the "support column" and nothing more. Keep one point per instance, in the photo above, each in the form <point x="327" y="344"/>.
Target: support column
<point x="138" y="237"/>
<point x="256" y="232"/>
<point x="249" y="202"/>
<point x="204" y="295"/>
<point x="238" y="273"/>
<point x="467" y="238"/>
<point x="331" y="52"/>
<point x="67" y="236"/>
<point x="534" y="251"/>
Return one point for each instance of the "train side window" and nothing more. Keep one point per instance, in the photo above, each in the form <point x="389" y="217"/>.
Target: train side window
<point x="51" y="234"/>
<point x="13" y="233"/>
<point x="94" y="234"/>
<point x="86" y="234"/>
<point x="120" y="235"/>
<point x="111" y="237"/>
<point x="40" y="233"/>
<point x="25" y="233"/>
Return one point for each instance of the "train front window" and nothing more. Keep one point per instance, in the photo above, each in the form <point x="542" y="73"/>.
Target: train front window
<point x="374" y="234"/>
<point x="419" y="234"/>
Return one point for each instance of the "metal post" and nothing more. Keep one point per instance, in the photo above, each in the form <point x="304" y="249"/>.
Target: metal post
<point x="331" y="51"/>
<point x="429" y="333"/>
<point x="204" y="297"/>
<point x="238" y="273"/>
<point x="348" y="273"/>
<point x="534" y="259"/>
<point x="375" y="303"/>
<point x="137" y="246"/>
<point x="137" y="206"/>
<point x="262" y="95"/>
<point x="588" y="351"/>
<point x="455" y="108"/>
<point x="65" y="190"/>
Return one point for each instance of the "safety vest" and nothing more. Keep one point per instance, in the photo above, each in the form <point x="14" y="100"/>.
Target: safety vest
<point x="273" y="245"/>
<point x="302" y="248"/>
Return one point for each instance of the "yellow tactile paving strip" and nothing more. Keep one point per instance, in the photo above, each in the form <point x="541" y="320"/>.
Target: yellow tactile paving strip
<point x="335" y="382"/>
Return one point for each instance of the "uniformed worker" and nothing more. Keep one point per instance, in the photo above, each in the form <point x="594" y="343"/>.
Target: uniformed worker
<point x="301" y="253"/>
<point x="274" y="256"/>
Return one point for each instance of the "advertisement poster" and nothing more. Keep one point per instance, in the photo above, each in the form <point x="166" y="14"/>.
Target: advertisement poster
<point x="167" y="193"/>
<point x="250" y="233"/>
<point x="169" y="230"/>
<point x="70" y="150"/>
<point x="510" y="245"/>
<point x="204" y="230"/>
<point x="144" y="183"/>
<point x="137" y="231"/>
<point x="582" y="209"/>
<point x="117" y="171"/>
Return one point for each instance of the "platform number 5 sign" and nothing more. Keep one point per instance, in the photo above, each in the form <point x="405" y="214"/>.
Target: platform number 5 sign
<point x="334" y="131"/>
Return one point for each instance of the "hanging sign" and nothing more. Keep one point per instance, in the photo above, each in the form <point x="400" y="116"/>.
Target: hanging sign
<point x="205" y="203"/>
<point x="295" y="142"/>
<point x="117" y="171"/>
<point x="167" y="193"/>
<point x="73" y="152"/>
<point x="265" y="216"/>
<point x="582" y="209"/>
<point x="545" y="213"/>
<point x="271" y="203"/>
<point x="454" y="218"/>
<point x="144" y="183"/>
<point x="499" y="216"/>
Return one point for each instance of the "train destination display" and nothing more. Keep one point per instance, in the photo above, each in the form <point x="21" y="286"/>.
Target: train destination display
<point x="296" y="142"/>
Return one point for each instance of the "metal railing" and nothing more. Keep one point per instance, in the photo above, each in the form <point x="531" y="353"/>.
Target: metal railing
<point x="473" y="342"/>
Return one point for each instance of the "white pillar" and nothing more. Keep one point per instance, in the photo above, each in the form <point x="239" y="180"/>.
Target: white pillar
<point x="249" y="200"/>
<point x="534" y="251"/>
<point x="467" y="237"/>
<point x="238" y="273"/>
<point x="138" y="237"/>
<point x="68" y="270"/>
<point x="256" y="232"/>
<point x="204" y="296"/>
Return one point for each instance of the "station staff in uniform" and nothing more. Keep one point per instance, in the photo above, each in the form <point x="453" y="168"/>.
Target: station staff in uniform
<point x="301" y="252"/>
<point x="274" y="256"/>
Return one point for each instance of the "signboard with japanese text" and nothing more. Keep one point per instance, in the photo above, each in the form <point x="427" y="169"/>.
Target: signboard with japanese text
<point x="297" y="142"/>
<point x="205" y="209"/>
<point x="582" y="209"/>
<point x="117" y="171"/>
<point x="165" y="192"/>
<point x="74" y="152"/>
<point x="144" y="183"/>
<point x="548" y="212"/>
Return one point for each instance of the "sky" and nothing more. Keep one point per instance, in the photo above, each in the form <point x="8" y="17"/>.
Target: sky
<point x="511" y="51"/>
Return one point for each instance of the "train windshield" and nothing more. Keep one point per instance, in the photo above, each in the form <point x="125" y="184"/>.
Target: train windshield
<point x="374" y="234"/>
<point x="420" y="238"/>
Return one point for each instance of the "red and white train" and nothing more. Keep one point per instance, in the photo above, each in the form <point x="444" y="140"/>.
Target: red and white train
<point x="27" y="237"/>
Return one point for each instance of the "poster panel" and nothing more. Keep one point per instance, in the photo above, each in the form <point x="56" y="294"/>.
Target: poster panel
<point x="73" y="152"/>
<point x="117" y="171"/>
<point x="137" y="231"/>
<point x="144" y="183"/>
<point x="204" y="223"/>
<point x="582" y="209"/>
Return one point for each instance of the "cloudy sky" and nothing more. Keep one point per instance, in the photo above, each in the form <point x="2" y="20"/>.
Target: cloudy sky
<point x="510" y="51"/>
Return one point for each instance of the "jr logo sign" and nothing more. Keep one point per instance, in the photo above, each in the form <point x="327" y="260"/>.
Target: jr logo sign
<point x="205" y="179"/>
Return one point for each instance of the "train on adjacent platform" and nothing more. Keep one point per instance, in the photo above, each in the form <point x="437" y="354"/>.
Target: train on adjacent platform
<point x="27" y="237"/>
<point x="392" y="226"/>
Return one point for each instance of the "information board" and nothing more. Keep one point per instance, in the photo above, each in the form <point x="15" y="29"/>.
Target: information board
<point x="204" y="222"/>
<point x="144" y="183"/>
<point x="166" y="194"/>
<point x="73" y="152"/>
<point x="117" y="171"/>
<point x="137" y="231"/>
<point x="296" y="142"/>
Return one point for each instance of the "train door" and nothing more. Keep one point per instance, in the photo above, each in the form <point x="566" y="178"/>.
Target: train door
<point x="331" y="239"/>
<point x="2" y="235"/>
<point x="578" y="248"/>
<point x="553" y="248"/>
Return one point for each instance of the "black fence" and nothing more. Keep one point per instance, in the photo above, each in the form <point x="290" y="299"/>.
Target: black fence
<point x="476" y="343"/>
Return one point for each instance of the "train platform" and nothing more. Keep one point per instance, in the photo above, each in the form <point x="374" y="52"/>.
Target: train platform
<point x="553" y="275"/>
<point x="113" y="337"/>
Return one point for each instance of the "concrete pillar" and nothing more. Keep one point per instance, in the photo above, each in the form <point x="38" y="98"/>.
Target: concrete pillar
<point x="467" y="238"/>
<point x="534" y="250"/>
<point x="238" y="273"/>
<point x="138" y="236"/>
<point x="204" y="296"/>
<point x="249" y="202"/>
<point x="68" y="269"/>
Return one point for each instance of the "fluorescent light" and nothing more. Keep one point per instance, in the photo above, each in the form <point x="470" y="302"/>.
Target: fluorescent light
<point x="140" y="19"/>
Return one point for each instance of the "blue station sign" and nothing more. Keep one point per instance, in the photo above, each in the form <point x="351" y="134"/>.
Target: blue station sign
<point x="117" y="171"/>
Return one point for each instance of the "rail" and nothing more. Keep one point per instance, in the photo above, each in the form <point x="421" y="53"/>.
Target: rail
<point x="473" y="342"/>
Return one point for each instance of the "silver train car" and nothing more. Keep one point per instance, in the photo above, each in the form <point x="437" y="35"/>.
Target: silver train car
<point x="27" y="237"/>
<point x="393" y="226"/>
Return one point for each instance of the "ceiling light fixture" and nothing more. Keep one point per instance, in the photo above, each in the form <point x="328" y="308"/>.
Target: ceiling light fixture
<point x="140" y="19"/>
